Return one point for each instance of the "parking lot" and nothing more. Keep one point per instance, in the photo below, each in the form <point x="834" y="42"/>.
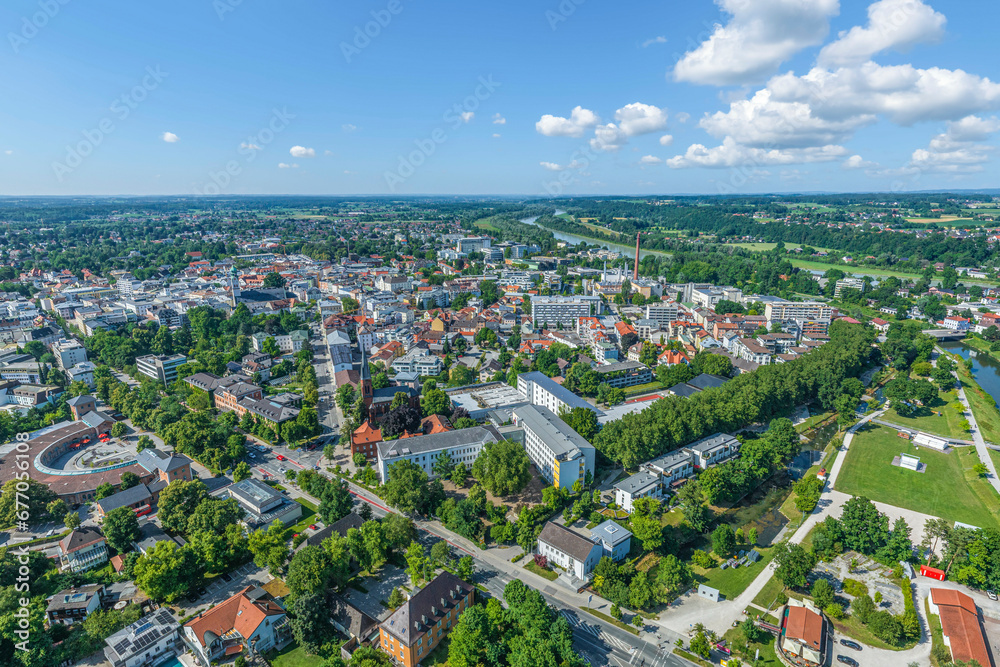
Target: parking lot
<point x="220" y="589"/>
<point x="389" y="577"/>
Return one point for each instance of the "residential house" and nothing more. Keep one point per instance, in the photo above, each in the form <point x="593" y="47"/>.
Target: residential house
<point x="411" y="632"/>
<point x="251" y="618"/>
<point x="567" y="549"/>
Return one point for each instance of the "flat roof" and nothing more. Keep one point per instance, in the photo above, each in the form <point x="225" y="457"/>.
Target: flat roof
<point x="554" y="432"/>
<point x="560" y="392"/>
<point x="437" y="441"/>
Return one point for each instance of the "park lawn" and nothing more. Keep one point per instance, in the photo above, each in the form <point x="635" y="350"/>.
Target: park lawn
<point x="947" y="489"/>
<point x="948" y="424"/>
<point x="643" y="389"/>
<point x="983" y="406"/>
<point x="308" y="517"/>
<point x="731" y="582"/>
<point x="848" y="268"/>
<point x="293" y="655"/>
<point x="486" y="224"/>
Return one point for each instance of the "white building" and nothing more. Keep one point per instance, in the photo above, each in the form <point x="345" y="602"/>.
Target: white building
<point x="790" y="310"/>
<point x="550" y="311"/>
<point x="639" y="485"/>
<point x="69" y="353"/>
<point x="613" y="538"/>
<point x="662" y="313"/>
<point x="561" y="455"/>
<point x="568" y="550"/>
<point x="160" y="367"/>
<point x="462" y="446"/>
<point x="541" y="390"/>
<point x="148" y="641"/>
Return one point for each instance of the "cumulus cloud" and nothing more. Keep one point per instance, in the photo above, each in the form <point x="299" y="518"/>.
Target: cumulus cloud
<point x="958" y="150"/>
<point x="496" y="135"/>
<point x="667" y="140"/>
<point x="9" y="152"/>
<point x="733" y="154"/>
<point x="250" y="146"/>
<point x="170" y="137"/>
<point x="348" y="127"/>
<point x="552" y="166"/>
<point x="467" y="116"/>
<point x="759" y="36"/>
<point x="654" y="40"/>
<point x="499" y="120"/>
<point x="638" y="118"/>
<point x="283" y="165"/>
<point x="858" y="162"/>
<point x="579" y="121"/>
<point x="892" y="24"/>
<point x="683" y="117"/>
<point x="608" y="138"/>
<point x="302" y="151"/>
<point x="761" y="121"/>
<point x="650" y="159"/>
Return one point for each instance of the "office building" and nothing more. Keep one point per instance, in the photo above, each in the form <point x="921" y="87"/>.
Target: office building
<point x="541" y="390"/>
<point x="69" y="353"/>
<point x="160" y="367"/>
<point x="418" y="626"/>
<point x="462" y="446"/>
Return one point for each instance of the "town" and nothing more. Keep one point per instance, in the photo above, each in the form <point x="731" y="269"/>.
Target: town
<point x="350" y="432"/>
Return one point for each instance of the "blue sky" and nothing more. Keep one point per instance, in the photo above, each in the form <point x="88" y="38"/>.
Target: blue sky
<point x="515" y="97"/>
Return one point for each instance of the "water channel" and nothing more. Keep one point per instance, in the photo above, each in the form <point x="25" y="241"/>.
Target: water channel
<point x="985" y="369"/>
<point x="627" y="250"/>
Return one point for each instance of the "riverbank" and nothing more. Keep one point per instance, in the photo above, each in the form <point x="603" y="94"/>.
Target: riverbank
<point x="983" y="406"/>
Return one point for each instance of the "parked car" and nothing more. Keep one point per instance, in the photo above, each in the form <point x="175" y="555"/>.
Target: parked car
<point x="992" y="595"/>
<point x="850" y="662"/>
<point x="849" y="644"/>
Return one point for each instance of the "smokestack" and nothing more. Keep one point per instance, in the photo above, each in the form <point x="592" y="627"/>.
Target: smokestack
<point x="635" y="272"/>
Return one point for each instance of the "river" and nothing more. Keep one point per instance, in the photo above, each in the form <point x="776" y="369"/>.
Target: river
<point x="985" y="369"/>
<point x="627" y="250"/>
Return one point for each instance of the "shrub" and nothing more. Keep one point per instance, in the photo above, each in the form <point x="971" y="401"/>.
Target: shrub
<point x="541" y="561"/>
<point x="702" y="559"/>
<point x="855" y="588"/>
<point x="834" y="611"/>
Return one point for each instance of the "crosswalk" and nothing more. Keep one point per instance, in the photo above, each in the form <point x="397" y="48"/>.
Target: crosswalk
<point x="596" y="632"/>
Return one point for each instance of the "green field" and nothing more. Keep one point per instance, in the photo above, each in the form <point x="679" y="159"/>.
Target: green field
<point x="731" y="582"/>
<point x="948" y="488"/>
<point x="926" y="418"/>
<point x="772" y="246"/>
<point x="868" y="271"/>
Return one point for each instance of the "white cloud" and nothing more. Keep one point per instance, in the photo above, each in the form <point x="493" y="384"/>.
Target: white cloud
<point x="555" y="126"/>
<point x="683" y="117"/>
<point x="496" y="135"/>
<point x="904" y="93"/>
<point x="958" y="150"/>
<point x="608" y="138"/>
<point x="282" y="165"/>
<point x="552" y="166"/>
<point x="348" y="127"/>
<point x="760" y="35"/>
<point x="763" y="122"/>
<point x="667" y="140"/>
<point x="302" y="151"/>
<point x="892" y="24"/>
<point x="9" y="152"/>
<point x="638" y="118"/>
<point x="734" y="154"/>
<point x="170" y="137"/>
<point x="858" y="162"/>
<point x="655" y="40"/>
<point x="249" y="146"/>
<point x="467" y="116"/>
<point x="650" y="159"/>
<point x="499" y="120"/>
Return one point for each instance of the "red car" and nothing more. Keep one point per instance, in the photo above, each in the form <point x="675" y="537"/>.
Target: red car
<point x="313" y="526"/>
<point x="280" y="457"/>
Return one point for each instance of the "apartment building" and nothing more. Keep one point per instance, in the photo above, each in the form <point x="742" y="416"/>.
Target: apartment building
<point x="551" y="311"/>
<point x="561" y="455"/>
<point x="473" y="244"/>
<point x="848" y="283"/>
<point x="799" y="311"/>
<point x="575" y="553"/>
<point x="83" y="549"/>
<point x="422" y="622"/>
<point x="639" y="485"/>
<point x="624" y="374"/>
<point x="148" y="641"/>
<point x="663" y="313"/>
<point x="543" y="391"/>
<point x="418" y="361"/>
<point x="749" y="349"/>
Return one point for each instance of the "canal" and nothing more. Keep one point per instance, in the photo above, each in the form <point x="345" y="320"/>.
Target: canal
<point x="627" y="250"/>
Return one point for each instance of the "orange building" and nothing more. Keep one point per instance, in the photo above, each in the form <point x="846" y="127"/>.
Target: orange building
<point x="420" y="623"/>
<point x="364" y="440"/>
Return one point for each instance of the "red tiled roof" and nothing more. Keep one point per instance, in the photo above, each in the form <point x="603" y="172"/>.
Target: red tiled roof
<point x="239" y="613"/>
<point x="960" y="623"/>
<point x="806" y="626"/>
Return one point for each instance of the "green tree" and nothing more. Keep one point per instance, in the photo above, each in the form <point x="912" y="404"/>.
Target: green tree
<point x="416" y="559"/>
<point x="129" y="479"/>
<point x="822" y="593"/>
<point x="104" y="490"/>
<point x="165" y="571"/>
<point x="178" y="502"/>
<point x="118" y="430"/>
<point x="32" y="501"/>
<point x="72" y="520"/>
<point x="866" y="529"/>
<point x="241" y="472"/>
<point x="435" y="402"/>
<point x="409" y="489"/>
<point x="309" y="572"/>
<point x="269" y="548"/>
<point x="121" y="528"/>
<point x="310" y="621"/>
<point x="503" y="468"/>
<point x="723" y="541"/>
<point x="794" y="563"/>
<point x="336" y="502"/>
